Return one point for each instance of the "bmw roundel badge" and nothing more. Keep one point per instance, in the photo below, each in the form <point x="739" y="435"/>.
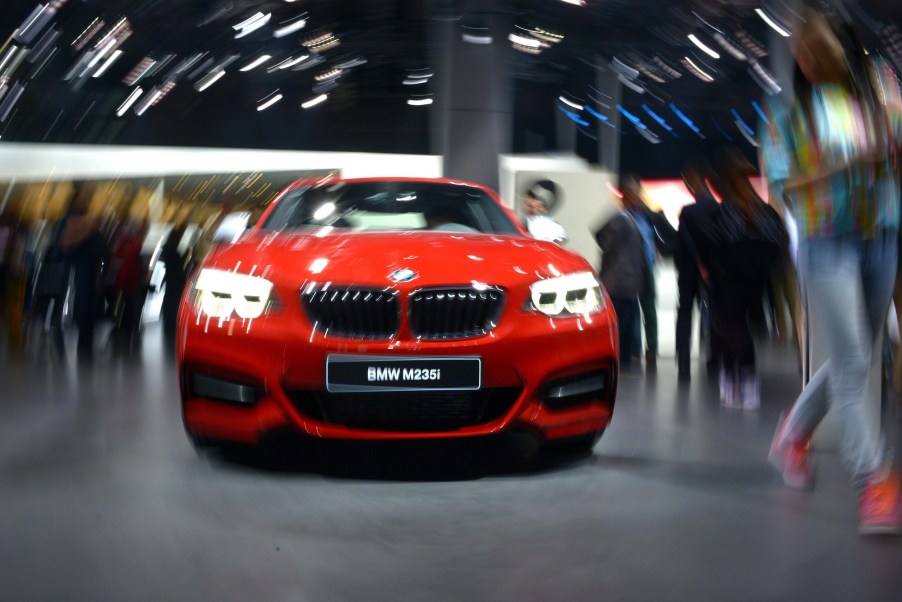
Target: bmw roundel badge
<point x="403" y="275"/>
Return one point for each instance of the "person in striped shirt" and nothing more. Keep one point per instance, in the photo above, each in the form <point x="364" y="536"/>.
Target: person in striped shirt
<point x="832" y="155"/>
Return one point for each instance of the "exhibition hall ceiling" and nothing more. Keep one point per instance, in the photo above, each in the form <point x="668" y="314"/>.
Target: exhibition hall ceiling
<point x="365" y="75"/>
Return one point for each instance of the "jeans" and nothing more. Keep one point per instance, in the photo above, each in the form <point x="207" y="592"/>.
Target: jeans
<point x="849" y="282"/>
<point x="689" y="292"/>
<point x="732" y="305"/>
<point x="627" y="310"/>
<point x="647" y="318"/>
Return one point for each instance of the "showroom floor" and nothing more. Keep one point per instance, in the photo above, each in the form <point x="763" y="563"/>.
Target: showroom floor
<point x="103" y="498"/>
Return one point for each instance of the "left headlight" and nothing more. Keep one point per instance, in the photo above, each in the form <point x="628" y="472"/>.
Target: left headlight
<point x="570" y="295"/>
<point x="220" y="293"/>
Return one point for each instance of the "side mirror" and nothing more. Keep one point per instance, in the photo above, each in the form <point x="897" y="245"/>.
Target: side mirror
<point x="543" y="227"/>
<point x="232" y="227"/>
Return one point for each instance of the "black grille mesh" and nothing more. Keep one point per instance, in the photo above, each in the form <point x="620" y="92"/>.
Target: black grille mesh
<point x="454" y="313"/>
<point x="359" y="313"/>
<point x="419" y="411"/>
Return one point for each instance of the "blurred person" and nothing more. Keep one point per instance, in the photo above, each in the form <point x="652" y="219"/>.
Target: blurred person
<point x="833" y="152"/>
<point x="175" y="278"/>
<point x="657" y="237"/>
<point x="738" y="244"/>
<point x="128" y="277"/>
<point x="82" y="247"/>
<point x="689" y="283"/>
<point x="536" y="204"/>
<point x="623" y="267"/>
<point x="13" y="274"/>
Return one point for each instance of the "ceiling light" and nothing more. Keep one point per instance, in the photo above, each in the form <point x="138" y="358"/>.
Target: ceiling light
<point x="741" y="123"/>
<point x="548" y="36"/>
<point x="575" y="2"/>
<point x="34" y="23"/>
<point x="770" y="21"/>
<point x="419" y="102"/>
<point x="88" y="34"/>
<point x="129" y="101"/>
<point x="729" y="46"/>
<point x="290" y="28"/>
<point x="570" y="103"/>
<point x="573" y="116"/>
<point x="632" y="85"/>
<point x="624" y="69"/>
<point x="268" y="103"/>
<point x="666" y="68"/>
<point x="314" y="101"/>
<point x="526" y="49"/>
<point x="685" y="119"/>
<point x="256" y="62"/>
<point x="208" y="80"/>
<point x="760" y="112"/>
<point x="148" y="101"/>
<point x="353" y="62"/>
<point x="524" y="40"/>
<point x="764" y="79"/>
<point x="648" y="135"/>
<point x="696" y="71"/>
<point x="656" y="117"/>
<point x="328" y="75"/>
<point x="139" y="71"/>
<point x="10" y="100"/>
<point x="291" y="62"/>
<point x="313" y="60"/>
<point x="745" y="133"/>
<point x="251" y="25"/>
<point x="106" y="65"/>
<point x="706" y="49"/>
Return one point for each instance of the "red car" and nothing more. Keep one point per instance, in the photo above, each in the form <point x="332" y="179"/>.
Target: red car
<point x="395" y="309"/>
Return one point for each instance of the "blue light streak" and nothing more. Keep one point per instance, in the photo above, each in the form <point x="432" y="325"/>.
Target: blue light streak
<point x="760" y="112"/>
<point x="686" y="120"/>
<point x="638" y="123"/>
<point x="576" y="118"/>
<point x="657" y="117"/>
<point x="721" y="130"/>
<point x="741" y="123"/>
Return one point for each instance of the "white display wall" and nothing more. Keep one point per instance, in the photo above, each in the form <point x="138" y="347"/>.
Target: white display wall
<point x="24" y="162"/>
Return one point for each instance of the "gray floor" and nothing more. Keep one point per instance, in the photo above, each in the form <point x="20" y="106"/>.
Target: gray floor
<point x="103" y="498"/>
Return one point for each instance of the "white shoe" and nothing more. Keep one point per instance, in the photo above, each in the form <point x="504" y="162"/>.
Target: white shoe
<point x="750" y="392"/>
<point x="729" y="395"/>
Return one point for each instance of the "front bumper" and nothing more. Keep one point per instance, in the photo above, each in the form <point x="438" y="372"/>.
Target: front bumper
<point x="240" y="380"/>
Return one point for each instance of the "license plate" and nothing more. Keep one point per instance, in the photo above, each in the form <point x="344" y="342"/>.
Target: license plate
<point x="362" y="373"/>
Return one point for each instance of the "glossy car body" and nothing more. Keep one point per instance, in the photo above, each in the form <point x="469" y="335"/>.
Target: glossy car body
<point x="423" y="333"/>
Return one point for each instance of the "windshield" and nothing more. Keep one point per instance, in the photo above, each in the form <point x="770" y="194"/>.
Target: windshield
<point x="394" y="205"/>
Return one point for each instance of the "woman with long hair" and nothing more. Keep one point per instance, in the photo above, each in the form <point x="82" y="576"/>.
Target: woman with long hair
<point x="739" y="244"/>
<point x="832" y="155"/>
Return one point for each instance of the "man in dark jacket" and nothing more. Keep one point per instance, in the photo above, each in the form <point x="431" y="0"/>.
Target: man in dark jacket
<point x="689" y="283"/>
<point x="623" y="274"/>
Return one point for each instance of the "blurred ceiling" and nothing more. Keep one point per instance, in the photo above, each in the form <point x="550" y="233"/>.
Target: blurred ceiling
<point x="236" y="73"/>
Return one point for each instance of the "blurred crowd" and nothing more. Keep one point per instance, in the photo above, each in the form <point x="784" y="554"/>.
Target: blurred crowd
<point x="83" y="257"/>
<point x="829" y="153"/>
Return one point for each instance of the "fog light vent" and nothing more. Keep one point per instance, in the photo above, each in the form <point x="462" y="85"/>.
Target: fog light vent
<point x="222" y="390"/>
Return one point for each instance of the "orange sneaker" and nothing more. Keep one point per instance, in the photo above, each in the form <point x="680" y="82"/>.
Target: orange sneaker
<point x="792" y="459"/>
<point x="880" y="505"/>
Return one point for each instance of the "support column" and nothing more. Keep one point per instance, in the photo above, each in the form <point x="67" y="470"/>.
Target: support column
<point x="474" y="110"/>
<point x="608" y="137"/>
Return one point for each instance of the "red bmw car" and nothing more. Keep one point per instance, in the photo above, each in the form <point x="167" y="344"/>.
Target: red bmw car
<point x="395" y="309"/>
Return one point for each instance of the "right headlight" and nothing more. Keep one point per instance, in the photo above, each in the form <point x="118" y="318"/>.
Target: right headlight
<point x="220" y="293"/>
<point x="570" y="295"/>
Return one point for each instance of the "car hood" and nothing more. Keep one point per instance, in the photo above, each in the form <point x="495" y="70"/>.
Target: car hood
<point x="392" y="258"/>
